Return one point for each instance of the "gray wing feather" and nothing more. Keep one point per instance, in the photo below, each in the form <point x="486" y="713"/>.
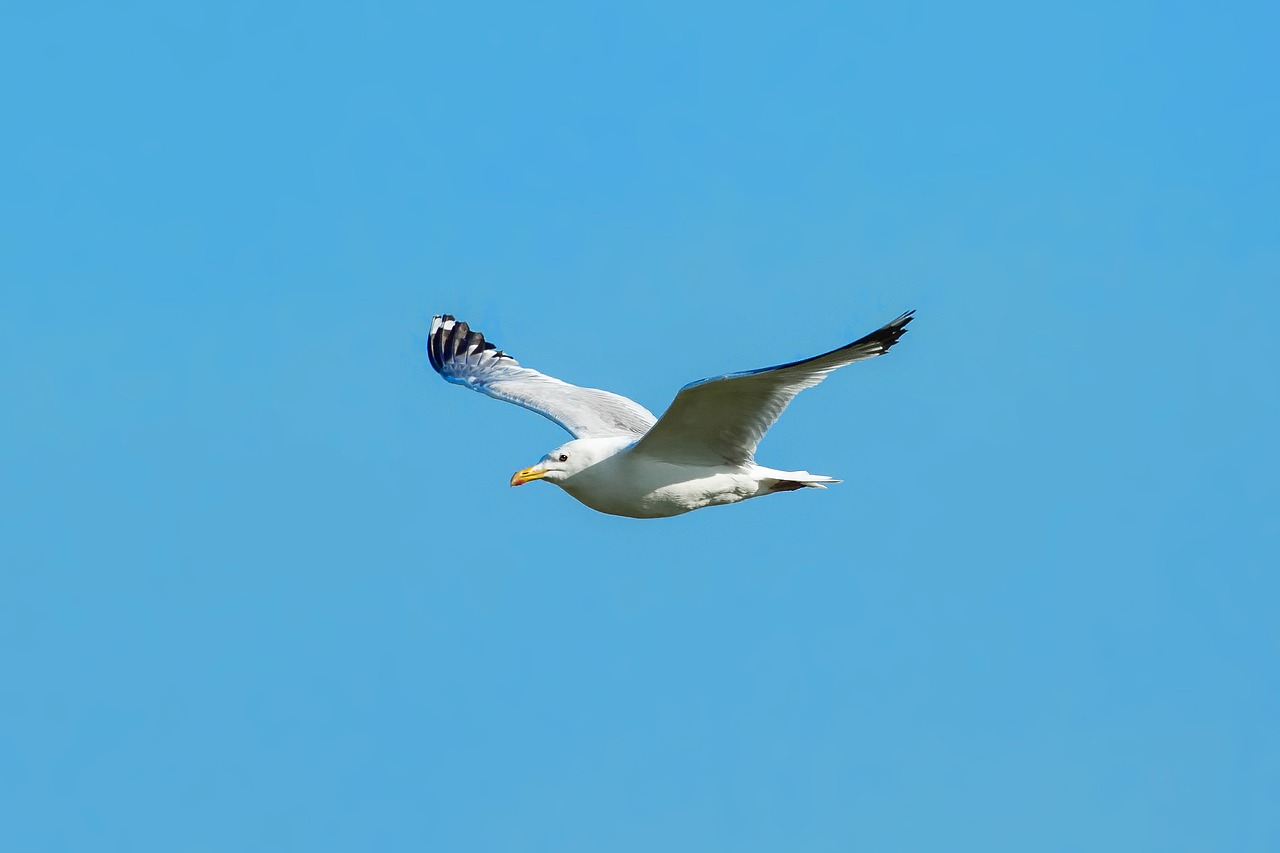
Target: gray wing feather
<point x="464" y="357"/>
<point x="722" y="419"/>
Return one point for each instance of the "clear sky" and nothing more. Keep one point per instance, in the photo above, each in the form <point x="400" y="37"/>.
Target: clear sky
<point x="264" y="586"/>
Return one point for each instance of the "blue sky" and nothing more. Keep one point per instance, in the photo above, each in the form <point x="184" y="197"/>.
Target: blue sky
<point x="264" y="584"/>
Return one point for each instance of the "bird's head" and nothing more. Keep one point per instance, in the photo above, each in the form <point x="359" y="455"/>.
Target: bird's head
<point x="570" y="459"/>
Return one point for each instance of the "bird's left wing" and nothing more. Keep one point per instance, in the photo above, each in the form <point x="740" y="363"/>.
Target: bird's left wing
<point x="722" y="419"/>
<point x="465" y="358"/>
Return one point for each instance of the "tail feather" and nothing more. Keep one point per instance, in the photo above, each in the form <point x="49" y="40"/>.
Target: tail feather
<point x="799" y="480"/>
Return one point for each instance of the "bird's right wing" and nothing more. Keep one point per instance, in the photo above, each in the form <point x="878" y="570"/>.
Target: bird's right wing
<point x="465" y="358"/>
<point x="722" y="419"/>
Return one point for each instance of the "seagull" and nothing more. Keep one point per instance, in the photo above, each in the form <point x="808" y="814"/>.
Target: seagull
<point x="624" y="461"/>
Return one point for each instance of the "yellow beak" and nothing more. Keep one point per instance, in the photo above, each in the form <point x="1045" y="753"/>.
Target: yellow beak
<point x="528" y="475"/>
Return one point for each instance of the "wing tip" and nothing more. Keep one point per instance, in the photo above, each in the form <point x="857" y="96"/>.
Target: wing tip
<point x="883" y="338"/>
<point x="441" y="325"/>
<point x="440" y="341"/>
<point x="451" y="340"/>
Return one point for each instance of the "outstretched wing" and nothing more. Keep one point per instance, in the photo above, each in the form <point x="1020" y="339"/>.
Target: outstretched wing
<point x="465" y="358"/>
<point x="722" y="419"/>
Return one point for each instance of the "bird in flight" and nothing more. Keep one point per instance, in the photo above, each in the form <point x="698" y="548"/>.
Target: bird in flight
<point x="624" y="461"/>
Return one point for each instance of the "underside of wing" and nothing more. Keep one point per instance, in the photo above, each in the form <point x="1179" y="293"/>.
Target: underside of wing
<point x="722" y="419"/>
<point x="464" y="357"/>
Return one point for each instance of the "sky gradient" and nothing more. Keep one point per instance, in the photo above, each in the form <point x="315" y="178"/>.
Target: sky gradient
<point x="263" y="585"/>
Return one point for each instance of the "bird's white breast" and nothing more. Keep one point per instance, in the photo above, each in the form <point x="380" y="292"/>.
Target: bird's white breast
<point x="639" y="487"/>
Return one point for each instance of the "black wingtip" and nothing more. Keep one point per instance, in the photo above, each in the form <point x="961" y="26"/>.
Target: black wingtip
<point x="435" y="342"/>
<point x="879" y="341"/>
<point x="451" y="338"/>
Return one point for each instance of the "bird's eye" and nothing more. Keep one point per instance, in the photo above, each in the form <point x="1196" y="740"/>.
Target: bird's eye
<point x="564" y="457"/>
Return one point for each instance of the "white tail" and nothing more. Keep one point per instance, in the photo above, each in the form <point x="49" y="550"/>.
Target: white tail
<point x="786" y="481"/>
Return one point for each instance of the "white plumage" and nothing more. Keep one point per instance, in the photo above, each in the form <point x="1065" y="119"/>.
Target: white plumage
<point x="623" y="460"/>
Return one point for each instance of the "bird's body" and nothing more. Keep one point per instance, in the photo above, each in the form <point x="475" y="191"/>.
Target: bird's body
<point x="622" y="484"/>
<point x="626" y="483"/>
<point x="623" y="461"/>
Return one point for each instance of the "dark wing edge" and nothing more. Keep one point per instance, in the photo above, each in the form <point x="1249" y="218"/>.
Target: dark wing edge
<point x="451" y="342"/>
<point x="725" y="417"/>
<point x="876" y="343"/>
